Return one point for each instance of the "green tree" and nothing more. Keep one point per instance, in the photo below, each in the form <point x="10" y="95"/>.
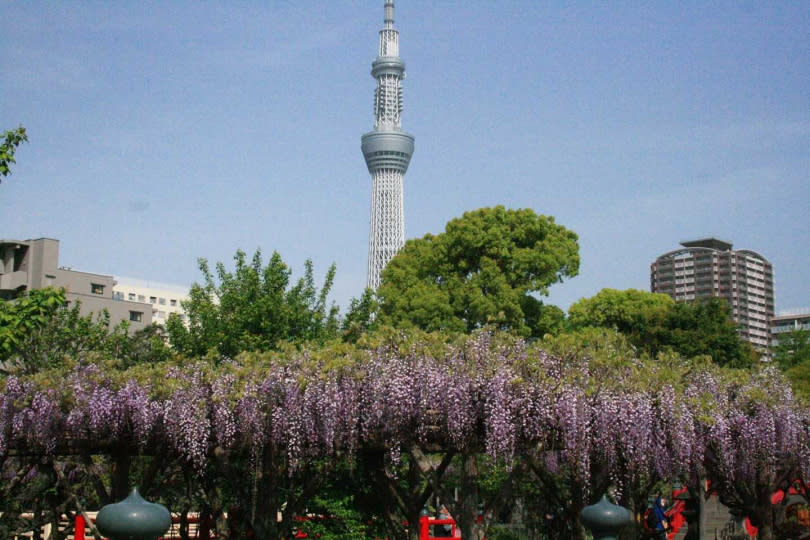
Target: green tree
<point x="792" y="355"/>
<point x="24" y="316"/>
<point x="39" y="330"/>
<point x="253" y="308"/>
<point x="706" y="327"/>
<point x="11" y="140"/>
<point x="655" y="324"/>
<point x="630" y="311"/>
<point x="359" y="318"/>
<point x="543" y="319"/>
<point x="486" y="268"/>
<point x="792" y="349"/>
<point x="799" y="377"/>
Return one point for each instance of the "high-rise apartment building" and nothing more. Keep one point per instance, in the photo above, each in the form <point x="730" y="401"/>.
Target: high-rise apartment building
<point x="709" y="267"/>
<point x="387" y="150"/>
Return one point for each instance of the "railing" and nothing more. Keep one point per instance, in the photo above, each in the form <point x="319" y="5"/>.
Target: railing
<point x="196" y="530"/>
<point x="426" y="522"/>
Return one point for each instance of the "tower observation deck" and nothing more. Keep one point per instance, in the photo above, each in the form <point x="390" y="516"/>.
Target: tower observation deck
<point x="387" y="150"/>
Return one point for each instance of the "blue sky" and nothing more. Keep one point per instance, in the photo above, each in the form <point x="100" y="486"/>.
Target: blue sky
<point x="162" y="132"/>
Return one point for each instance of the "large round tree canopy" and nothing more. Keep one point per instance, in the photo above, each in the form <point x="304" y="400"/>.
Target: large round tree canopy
<point x="484" y="269"/>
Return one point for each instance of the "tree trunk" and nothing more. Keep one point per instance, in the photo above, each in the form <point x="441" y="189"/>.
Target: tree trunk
<point x="37" y="521"/>
<point x="764" y="513"/>
<point x="405" y="494"/>
<point x="56" y="534"/>
<point x="184" y="524"/>
<point x="120" y="476"/>
<point x="578" y="497"/>
<point x="467" y="508"/>
<point x="702" y="495"/>
<point x="264" y="519"/>
<point x="765" y="533"/>
<point x="413" y="525"/>
<point x="204" y="528"/>
<point x="215" y="509"/>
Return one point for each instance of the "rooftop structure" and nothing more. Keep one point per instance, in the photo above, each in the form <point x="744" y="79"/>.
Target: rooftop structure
<point x="709" y="243"/>
<point x="387" y="151"/>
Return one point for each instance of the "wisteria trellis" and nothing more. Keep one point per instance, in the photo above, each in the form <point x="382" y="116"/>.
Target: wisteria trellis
<point x="503" y="400"/>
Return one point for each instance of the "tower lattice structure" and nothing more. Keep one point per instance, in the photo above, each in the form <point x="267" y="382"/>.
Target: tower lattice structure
<point x="387" y="150"/>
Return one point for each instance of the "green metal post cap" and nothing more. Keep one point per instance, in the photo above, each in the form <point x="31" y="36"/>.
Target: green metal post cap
<point x="133" y="519"/>
<point x="605" y="519"/>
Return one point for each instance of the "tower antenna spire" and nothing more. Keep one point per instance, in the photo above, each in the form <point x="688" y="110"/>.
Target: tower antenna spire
<point x="389" y="13"/>
<point x="387" y="151"/>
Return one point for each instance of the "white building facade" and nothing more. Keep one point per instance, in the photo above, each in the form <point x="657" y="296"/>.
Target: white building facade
<point x="789" y="321"/>
<point x="164" y="298"/>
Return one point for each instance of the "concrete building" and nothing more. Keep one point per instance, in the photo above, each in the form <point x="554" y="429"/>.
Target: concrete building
<point x="164" y="298"/>
<point x="789" y="321"/>
<point x="34" y="264"/>
<point x="709" y="267"/>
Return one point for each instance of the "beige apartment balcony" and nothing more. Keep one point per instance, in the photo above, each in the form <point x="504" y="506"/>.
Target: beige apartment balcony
<point x="13" y="281"/>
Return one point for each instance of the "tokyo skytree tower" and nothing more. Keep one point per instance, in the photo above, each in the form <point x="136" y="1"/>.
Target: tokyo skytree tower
<point x="388" y="151"/>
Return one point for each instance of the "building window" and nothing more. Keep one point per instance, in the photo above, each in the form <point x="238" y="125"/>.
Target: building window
<point x="96" y="288"/>
<point x="152" y="299"/>
<point x="118" y="295"/>
<point x="136" y="316"/>
<point x="173" y="302"/>
<point x="162" y="301"/>
<point x="141" y="298"/>
<point x="131" y="297"/>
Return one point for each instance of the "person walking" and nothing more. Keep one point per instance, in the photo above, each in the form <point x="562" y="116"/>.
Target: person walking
<point x="445" y="530"/>
<point x="661" y="521"/>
